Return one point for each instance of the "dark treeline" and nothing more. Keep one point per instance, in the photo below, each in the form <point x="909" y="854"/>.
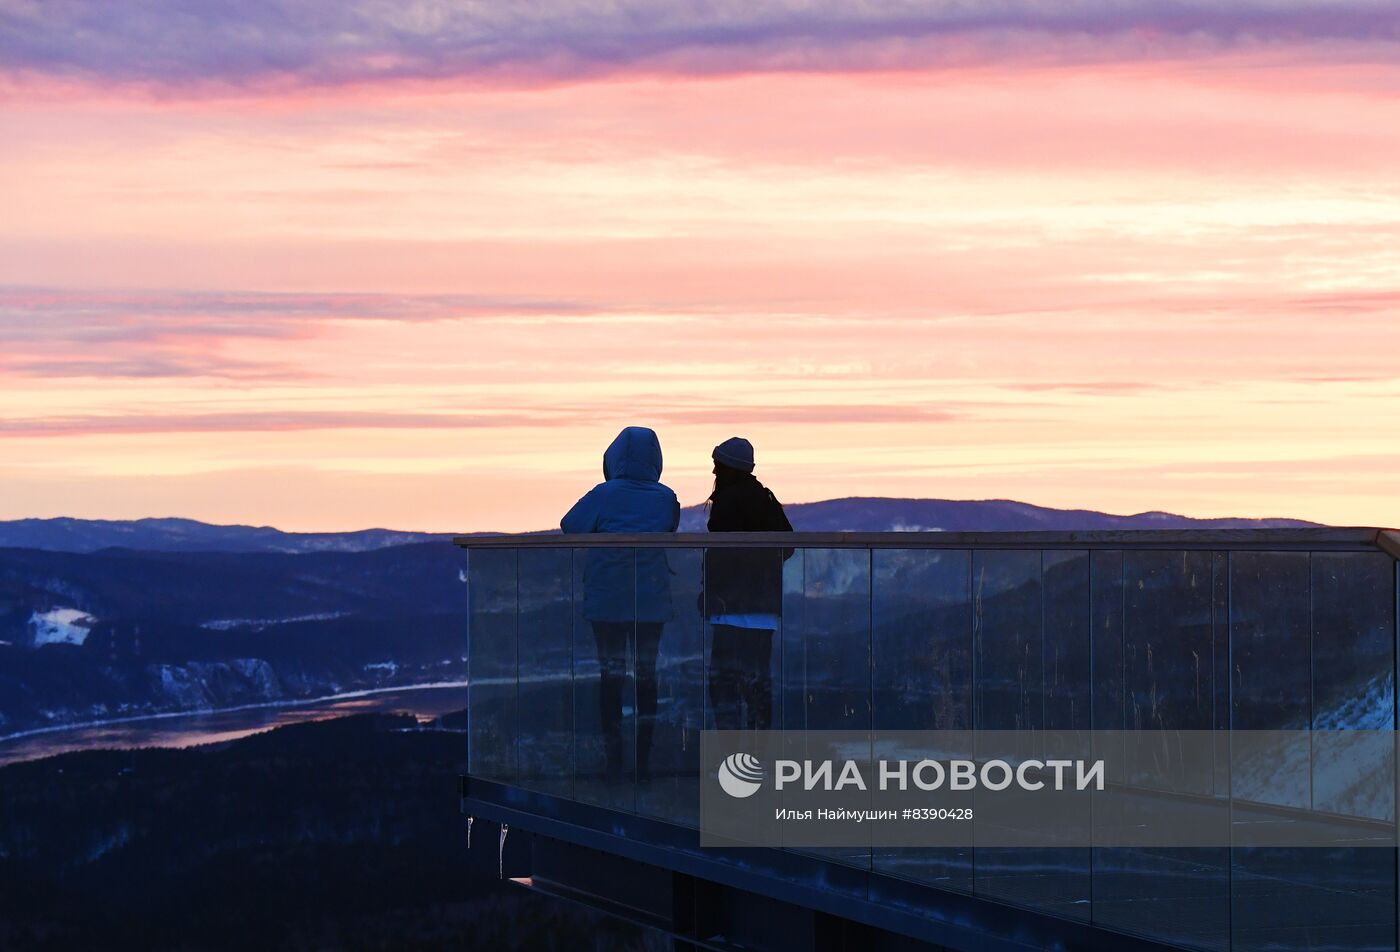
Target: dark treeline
<point x="341" y="834"/>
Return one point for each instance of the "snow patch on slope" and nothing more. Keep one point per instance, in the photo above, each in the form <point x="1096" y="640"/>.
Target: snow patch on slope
<point x="61" y="626"/>
<point x="204" y="685"/>
<point x="258" y="624"/>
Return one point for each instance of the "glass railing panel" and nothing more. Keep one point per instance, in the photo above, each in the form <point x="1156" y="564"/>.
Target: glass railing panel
<point x="1343" y="895"/>
<point x="1068" y="695"/>
<point x="921" y="612"/>
<point x="830" y="635"/>
<point x="1168" y="662"/>
<point x="1106" y="602"/>
<point x="615" y="619"/>
<point x="791" y="713"/>
<point x="545" y="649"/>
<point x="1296" y="898"/>
<point x="594" y="670"/>
<point x="492" y="619"/>
<point x="1032" y="618"/>
<point x="744" y="620"/>
<point x="1167" y="624"/>
<point x="1008" y="693"/>
<point x="1220" y="673"/>
<point x="1353" y="681"/>
<point x="921" y="625"/>
<point x="671" y="708"/>
<point x="1271" y="663"/>
<point x="792" y="708"/>
<point x="836" y="635"/>
<point x="1058" y="877"/>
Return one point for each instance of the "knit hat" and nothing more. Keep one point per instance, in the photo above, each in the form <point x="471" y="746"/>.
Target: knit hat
<point x="736" y="453"/>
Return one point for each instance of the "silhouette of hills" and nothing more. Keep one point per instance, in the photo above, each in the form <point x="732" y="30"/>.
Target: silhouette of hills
<point x="884" y="514"/>
<point x="852" y="514"/>
<point x="187" y="616"/>
<point x="190" y="535"/>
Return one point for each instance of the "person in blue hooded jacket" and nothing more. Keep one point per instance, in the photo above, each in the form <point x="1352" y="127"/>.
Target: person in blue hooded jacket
<point x="627" y="597"/>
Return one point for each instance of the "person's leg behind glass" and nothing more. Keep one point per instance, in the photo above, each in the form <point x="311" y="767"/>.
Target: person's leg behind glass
<point x="648" y="646"/>
<point x="611" y="638"/>
<point x="726" y="672"/>
<point x="758" y="678"/>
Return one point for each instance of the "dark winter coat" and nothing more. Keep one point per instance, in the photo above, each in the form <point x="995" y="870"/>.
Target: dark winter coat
<point x="631" y="499"/>
<point x="744" y="581"/>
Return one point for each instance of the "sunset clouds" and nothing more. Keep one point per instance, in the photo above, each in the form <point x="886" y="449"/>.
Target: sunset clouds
<point x="326" y="42"/>
<point x="327" y="265"/>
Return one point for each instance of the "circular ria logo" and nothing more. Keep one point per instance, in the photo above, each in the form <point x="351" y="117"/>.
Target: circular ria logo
<point x="741" y="775"/>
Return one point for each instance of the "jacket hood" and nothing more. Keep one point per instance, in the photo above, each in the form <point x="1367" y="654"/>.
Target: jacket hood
<point x="635" y="454"/>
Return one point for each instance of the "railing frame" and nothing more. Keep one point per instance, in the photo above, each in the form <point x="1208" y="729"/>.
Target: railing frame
<point x="606" y="829"/>
<point x="1356" y="539"/>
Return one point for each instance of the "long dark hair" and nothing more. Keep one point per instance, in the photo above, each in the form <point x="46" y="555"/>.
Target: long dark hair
<point x="724" y="475"/>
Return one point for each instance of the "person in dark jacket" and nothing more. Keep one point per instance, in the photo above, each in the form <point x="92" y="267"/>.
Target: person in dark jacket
<point x="627" y="592"/>
<point x="743" y="592"/>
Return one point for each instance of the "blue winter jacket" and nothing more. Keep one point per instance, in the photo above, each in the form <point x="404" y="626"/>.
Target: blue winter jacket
<point x="631" y="499"/>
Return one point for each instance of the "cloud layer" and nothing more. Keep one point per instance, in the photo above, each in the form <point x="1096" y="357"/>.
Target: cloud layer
<point x="235" y="43"/>
<point x="335" y="263"/>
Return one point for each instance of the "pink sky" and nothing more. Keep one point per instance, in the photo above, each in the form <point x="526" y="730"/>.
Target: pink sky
<point x="1113" y="265"/>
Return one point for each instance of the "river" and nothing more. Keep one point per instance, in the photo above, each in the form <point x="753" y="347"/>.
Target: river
<point x="207" y="727"/>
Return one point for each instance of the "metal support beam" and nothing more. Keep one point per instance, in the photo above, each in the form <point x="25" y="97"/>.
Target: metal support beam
<point x="655" y="873"/>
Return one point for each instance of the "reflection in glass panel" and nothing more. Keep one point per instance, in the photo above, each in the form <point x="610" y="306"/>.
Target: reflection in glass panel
<point x="594" y="670"/>
<point x="1353" y="679"/>
<point x="1341" y="896"/>
<point x="1168" y="670"/>
<point x="1006" y="630"/>
<point x="668" y="768"/>
<point x="1271" y="661"/>
<point x="1062" y="873"/>
<point x="545" y="699"/>
<point x="1168" y="659"/>
<point x="1354" y="690"/>
<point x="614" y="622"/>
<point x="921" y="616"/>
<point x="1220" y="671"/>
<point x="1106" y="598"/>
<point x="1313" y="898"/>
<point x="1178" y="896"/>
<point x="1308" y="651"/>
<point x="744" y="609"/>
<point x="833" y="641"/>
<point x="792" y="711"/>
<point x="1009" y="692"/>
<point x="491" y="632"/>
<point x="1065" y="579"/>
<point x="835" y="635"/>
<point x="1032" y="625"/>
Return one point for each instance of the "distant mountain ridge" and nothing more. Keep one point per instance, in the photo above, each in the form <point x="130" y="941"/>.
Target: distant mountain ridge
<point x="102" y="619"/>
<point x="885" y="514"/>
<point x="191" y="535"/>
<point x="852" y="514"/>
